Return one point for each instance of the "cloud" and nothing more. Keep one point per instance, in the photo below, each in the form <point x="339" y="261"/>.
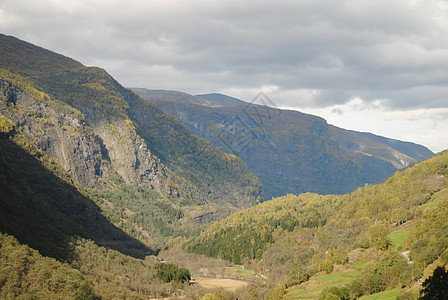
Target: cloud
<point x="316" y="54"/>
<point x="424" y="126"/>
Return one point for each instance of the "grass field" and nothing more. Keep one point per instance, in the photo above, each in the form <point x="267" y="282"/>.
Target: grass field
<point x="211" y="283"/>
<point x="238" y="272"/>
<point x="316" y="284"/>
<point x="398" y="238"/>
<point x="386" y="295"/>
<point x="437" y="198"/>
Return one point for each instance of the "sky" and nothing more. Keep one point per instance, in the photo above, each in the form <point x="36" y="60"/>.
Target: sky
<point x="377" y="66"/>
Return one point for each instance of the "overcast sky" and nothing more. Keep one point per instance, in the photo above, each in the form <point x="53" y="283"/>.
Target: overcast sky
<point x="379" y="66"/>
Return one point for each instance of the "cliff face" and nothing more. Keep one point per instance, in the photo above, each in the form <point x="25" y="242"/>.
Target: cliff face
<point x="59" y="131"/>
<point x="129" y="156"/>
<point x="89" y="154"/>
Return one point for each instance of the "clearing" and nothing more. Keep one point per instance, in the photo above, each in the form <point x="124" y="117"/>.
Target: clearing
<point x="225" y="283"/>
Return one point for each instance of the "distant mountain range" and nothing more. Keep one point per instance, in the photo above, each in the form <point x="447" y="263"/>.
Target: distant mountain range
<point x="291" y="152"/>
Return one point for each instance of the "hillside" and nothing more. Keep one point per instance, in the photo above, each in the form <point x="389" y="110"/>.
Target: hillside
<point x="300" y="152"/>
<point x="55" y="243"/>
<point x="149" y="174"/>
<point x="311" y="233"/>
<point x="93" y="179"/>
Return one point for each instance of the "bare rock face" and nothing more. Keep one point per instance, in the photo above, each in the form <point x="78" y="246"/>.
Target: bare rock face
<point x="130" y="157"/>
<point x="60" y="131"/>
<point x="88" y="154"/>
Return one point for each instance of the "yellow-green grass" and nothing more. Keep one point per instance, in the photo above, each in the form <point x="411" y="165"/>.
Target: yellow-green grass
<point x="239" y="272"/>
<point x="317" y="283"/>
<point x="386" y="295"/>
<point x="436" y="199"/>
<point x="398" y="238"/>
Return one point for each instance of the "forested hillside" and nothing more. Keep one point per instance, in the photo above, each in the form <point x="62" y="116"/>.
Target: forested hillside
<point x="291" y="152"/>
<point x="310" y="233"/>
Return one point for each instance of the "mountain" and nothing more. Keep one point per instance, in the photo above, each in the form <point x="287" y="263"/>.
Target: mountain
<point x="222" y="100"/>
<point x="289" y="151"/>
<point x="150" y="175"/>
<point x="396" y="232"/>
<point x="93" y="178"/>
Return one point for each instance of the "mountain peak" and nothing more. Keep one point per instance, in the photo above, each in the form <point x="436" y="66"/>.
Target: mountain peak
<point x="30" y="60"/>
<point x="173" y="96"/>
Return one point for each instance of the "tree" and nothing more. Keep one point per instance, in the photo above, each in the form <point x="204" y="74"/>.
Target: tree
<point x="297" y="274"/>
<point x="85" y="293"/>
<point x="436" y="286"/>
<point x="251" y="292"/>
<point x="208" y="296"/>
<point x="377" y="235"/>
<point x="340" y="293"/>
<point x="328" y="266"/>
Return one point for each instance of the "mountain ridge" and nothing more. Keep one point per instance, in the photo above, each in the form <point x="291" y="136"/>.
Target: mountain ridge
<point x="300" y="152"/>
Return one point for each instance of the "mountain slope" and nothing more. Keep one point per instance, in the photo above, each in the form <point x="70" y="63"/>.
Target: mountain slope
<point x="72" y="254"/>
<point x="41" y="207"/>
<point x="81" y="190"/>
<point x="222" y="100"/>
<point x="299" y="152"/>
<point x="29" y="60"/>
<point x="309" y="233"/>
<point x="108" y="139"/>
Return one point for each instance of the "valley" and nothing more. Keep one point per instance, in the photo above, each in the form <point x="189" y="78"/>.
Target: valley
<point x="115" y="193"/>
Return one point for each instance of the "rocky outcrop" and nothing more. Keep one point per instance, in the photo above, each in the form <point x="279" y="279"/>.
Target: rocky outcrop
<point x="88" y="153"/>
<point x="130" y="156"/>
<point x="59" y="131"/>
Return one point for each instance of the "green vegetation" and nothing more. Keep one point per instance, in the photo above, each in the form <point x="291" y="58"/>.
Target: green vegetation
<point x="253" y="233"/>
<point x="97" y="231"/>
<point x="62" y="239"/>
<point x="189" y="173"/>
<point x="436" y="199"/>
<point x="318" y="283"/>
<point x="169" y="272"/>
<point x="140" y="212"/>
<point x="387" y="295"/>
<point x="333" y="226"/>
<point x="398" y="238"/>
<point x="26" y="274"/>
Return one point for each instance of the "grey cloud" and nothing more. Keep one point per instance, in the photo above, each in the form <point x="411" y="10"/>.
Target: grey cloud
<point x="395" y="50"/>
